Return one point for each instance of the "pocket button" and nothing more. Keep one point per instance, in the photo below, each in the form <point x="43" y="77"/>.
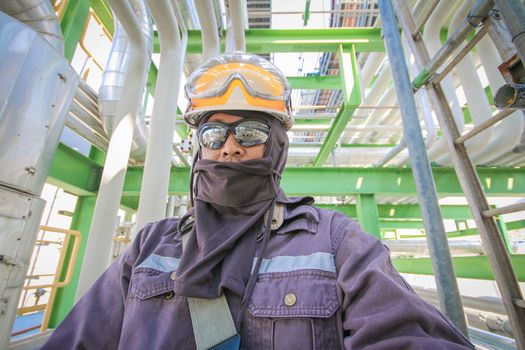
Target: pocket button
<point x="290" y="299"/>
<point x="169" y="295"/>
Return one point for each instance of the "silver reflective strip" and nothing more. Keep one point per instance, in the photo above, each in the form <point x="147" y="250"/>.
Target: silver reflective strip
<point x="160" y="263"/>
<point x="316" y="261"/>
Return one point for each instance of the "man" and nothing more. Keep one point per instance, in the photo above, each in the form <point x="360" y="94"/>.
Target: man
<point x="247" y="264"/>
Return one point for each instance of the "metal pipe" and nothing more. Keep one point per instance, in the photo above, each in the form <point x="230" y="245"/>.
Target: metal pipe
<point x="432" y="42"/>
<point x="110" y="91"/>
<point x="470" y="45"/>
<point x="475" y="95"/>
<point x="506" y="134"/>
<point x="419" y="248"/>
<point x="98" y="249"/>
<point x="441" y="260"/>
<point x="478" y="13"/>
<point x="237" y="24"/>
<point x="40" y="16"/>
<point x="510" y="96"/>
<point x="513" y="13"/>
<point x="494" y="246"/>
<point x="392" y="153"/>
<point x="484" y="303"/>
<point x="210" y="34"/>
<point x="154" y="189"/>
<point x="425" y="16"/>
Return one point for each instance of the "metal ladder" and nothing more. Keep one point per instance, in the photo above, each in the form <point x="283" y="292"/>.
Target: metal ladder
<point x="482" y="213"/>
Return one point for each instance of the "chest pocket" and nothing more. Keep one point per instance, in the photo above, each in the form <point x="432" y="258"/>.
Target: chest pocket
<point x="149" y="283"/>
<point x="294" y="310"/>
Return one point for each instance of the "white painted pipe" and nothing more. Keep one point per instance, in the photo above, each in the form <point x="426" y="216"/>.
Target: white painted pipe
<point x="419" y="248"/>
<point x="431" y="39"/>
<point x="370" y="68"/>
<point x="477" y="102"/>
<point x="154" y="188"/>
<point x="507" y="133"/>
<point x="236" y="19"/>
<point x="104" y="223"/>
<point x="208" y="22"/>
<point x="425" y="110"/>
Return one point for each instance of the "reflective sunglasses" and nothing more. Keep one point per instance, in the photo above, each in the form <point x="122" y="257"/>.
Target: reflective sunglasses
<point x="247" y="133"/>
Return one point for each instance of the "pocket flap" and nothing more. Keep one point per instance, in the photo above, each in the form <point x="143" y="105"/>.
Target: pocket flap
<point x="147" y="283"/>
<point x="306" y="293"/>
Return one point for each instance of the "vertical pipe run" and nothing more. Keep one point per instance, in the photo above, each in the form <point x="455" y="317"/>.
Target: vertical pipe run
<point x="98" y="249"/>
<point x="438" y="245"/>
<point x="237" y="21"/>
<point x="513" y="13"/>
<point x="210" y="34"/>
<point x="154" y="189"/>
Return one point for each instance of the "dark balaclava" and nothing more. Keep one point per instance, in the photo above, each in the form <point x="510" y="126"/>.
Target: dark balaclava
<point x="230" y="202"/>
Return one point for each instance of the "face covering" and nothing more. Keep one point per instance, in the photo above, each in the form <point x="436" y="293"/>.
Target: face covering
<point x="230" y="201"/>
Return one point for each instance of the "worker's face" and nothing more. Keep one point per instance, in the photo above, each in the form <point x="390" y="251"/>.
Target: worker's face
<point x="231" y="150"/>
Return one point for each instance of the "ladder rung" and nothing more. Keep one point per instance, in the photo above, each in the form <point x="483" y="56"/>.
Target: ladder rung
<point x="479" y="35"/>
<point x="489" y="122"/>
<point x="504" y="210"/>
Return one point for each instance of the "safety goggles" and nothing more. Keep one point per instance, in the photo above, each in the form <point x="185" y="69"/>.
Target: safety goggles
<point x="260" y="81"/>
<point x="247" y="133"/>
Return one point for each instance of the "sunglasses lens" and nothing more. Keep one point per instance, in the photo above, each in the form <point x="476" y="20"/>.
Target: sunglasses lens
<point x="213" y="135"/>
<point x="252" y="133"/>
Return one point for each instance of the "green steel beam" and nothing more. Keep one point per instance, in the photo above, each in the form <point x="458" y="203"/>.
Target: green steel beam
<point x="296" y="40"/>
<point x="72" y="25"/>
<point x="81" y="176"/>
<point x="352" y="92"/>
<point x="81" y="221"/>
<point x="401" y="224"/>
<point x="319" y="121"/>
<point x="104" y="13"/>
<point x="509" y="226"/>
<point x="74" y="172"/>
<point x="65" y="297"/>
<point x="404" y="211"/>
<point x="477" y="267"/>
<point x="395" y="181"/>
<point x="315" y="82"/>
<point x="367" y="214"/>
<point x="306" y="15"/>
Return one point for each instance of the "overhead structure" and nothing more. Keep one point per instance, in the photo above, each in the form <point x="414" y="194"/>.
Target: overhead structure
<point x="398" y="129"/>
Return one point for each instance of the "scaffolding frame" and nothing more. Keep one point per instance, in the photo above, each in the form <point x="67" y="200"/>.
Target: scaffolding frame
<point x="482" y="213"/>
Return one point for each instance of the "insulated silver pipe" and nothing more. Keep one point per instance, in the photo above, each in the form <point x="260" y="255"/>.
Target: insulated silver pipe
<point x="110" y="91"/>
<point x="39" y="15"/>
<point x="513" y="13"/>
<point x="103" y="225"/>
<point x="441" y="260"/>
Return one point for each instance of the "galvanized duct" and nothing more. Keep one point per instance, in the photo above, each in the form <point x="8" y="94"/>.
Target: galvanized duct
<point x="110" y="90"/>
<point x="39" y="15"/>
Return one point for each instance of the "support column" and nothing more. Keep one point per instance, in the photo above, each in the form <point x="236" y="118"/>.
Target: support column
<point x="65" y="297"/>
<point x="448" y="291"/>
<point x="72" y="21"/>
<point x="367" y="214"/>
<point x="81" y="221"/>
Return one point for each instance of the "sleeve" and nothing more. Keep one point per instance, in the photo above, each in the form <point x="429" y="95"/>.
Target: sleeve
<point x="96" y="319"/>
<point x="380" y="310"/>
